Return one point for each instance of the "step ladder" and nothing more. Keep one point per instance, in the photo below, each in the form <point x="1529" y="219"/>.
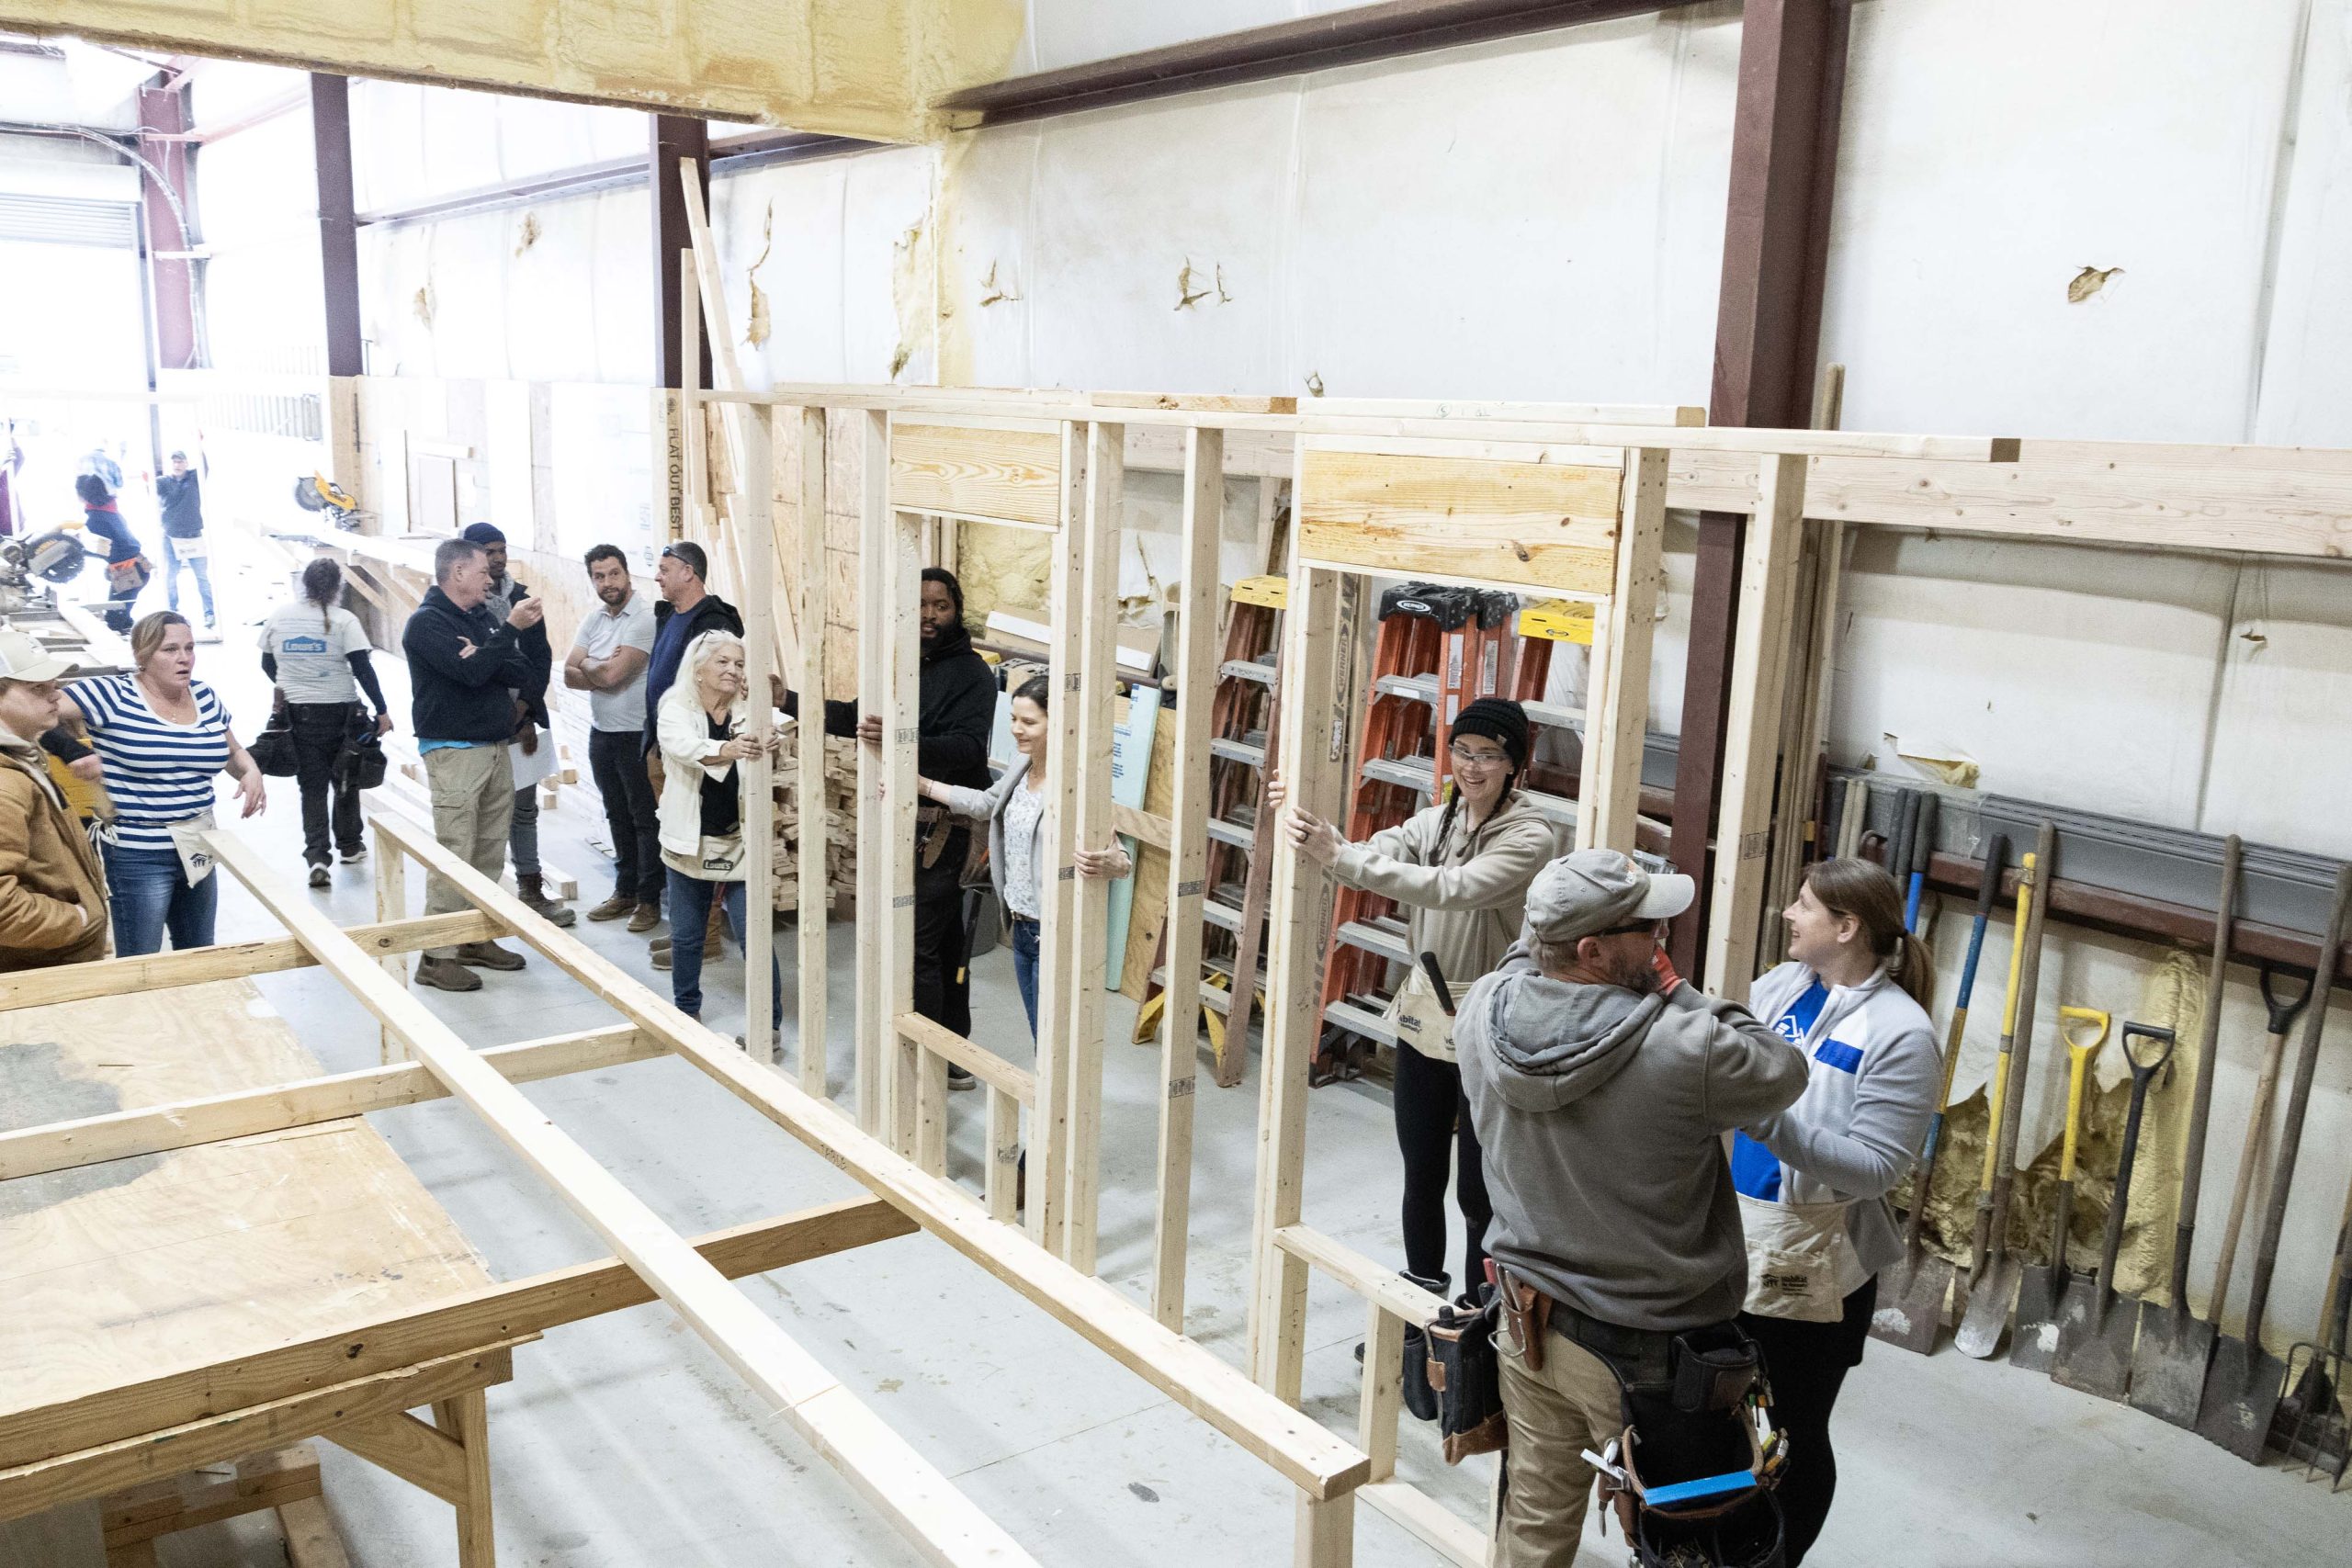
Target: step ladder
<point x="1245" y="712"/>
<point x="1437" y="650"/>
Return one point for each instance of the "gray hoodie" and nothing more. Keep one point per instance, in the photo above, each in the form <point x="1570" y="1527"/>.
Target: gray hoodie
<point x="1601" y="1114"/>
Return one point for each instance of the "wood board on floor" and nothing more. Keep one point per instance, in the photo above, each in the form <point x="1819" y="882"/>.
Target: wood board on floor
<point x="117" y="1271"/>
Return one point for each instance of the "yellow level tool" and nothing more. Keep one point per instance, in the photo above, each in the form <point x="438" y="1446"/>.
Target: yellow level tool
<point x="1561" y="620"/>
<point x="1273" y="592"/>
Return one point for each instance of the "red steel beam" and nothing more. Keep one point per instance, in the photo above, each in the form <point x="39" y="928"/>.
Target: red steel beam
<point x="675" y="137"/>
<point x="1320" y="42"/>
<point x="1768" y="328"/>
<point x="162" y="125"/>
<point x="338" y="234"/>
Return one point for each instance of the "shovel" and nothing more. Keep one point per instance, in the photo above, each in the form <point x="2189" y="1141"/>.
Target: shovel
<point x="2095" y="1335"/>
<point x="2034" y="1346"/>
<point x="2242" y="1386"/>
<point x="2168" y="1362"/>
<point x="1911" y="1291"/>
<point x="1993" y="1283"/>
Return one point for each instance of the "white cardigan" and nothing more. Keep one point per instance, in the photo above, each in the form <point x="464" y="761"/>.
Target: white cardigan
<point x="687" y="754"/>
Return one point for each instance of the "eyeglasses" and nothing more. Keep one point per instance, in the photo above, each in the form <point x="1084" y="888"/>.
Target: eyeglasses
<point x="1654" y="930"/>
<point x="1476" y="759"/>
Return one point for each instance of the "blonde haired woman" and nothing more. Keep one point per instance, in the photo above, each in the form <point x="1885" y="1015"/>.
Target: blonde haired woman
<point x="699" y="726"/>
<point x="162" y="735"/>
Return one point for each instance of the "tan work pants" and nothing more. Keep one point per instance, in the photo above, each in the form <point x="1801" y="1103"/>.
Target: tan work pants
<point x="473" y="802"/>
<point x="1555" y="1415"/>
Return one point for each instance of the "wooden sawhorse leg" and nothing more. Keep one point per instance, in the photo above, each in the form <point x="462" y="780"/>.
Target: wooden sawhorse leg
<point x="467" y="1420"/>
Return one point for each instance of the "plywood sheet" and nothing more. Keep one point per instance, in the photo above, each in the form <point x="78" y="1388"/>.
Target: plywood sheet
<point x="121" y="1270"/>
<point x="1544" y="525"/>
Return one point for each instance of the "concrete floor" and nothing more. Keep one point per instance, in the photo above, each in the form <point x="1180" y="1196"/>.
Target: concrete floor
<point x="623" y="1442"/>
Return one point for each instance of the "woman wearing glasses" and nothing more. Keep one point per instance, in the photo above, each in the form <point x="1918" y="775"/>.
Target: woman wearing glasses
<point x="1460" y="871"/>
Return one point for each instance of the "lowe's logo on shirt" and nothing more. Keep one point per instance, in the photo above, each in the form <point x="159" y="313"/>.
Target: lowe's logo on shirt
<point x="303" y="645"/>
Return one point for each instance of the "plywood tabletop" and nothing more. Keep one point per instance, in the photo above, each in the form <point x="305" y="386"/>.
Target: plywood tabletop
<point x="123" y="1270"/>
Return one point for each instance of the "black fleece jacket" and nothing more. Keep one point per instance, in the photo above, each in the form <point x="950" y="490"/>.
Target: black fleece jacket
<point x="456" y="695"/>
<point x="956" y="709"/>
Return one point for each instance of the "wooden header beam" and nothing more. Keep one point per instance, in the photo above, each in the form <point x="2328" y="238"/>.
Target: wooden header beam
<point x="1704" y="439"/>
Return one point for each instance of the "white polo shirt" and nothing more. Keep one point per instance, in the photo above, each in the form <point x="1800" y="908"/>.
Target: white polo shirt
<point x="601" y="635"/>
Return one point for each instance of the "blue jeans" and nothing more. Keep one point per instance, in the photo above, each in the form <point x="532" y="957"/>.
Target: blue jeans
<point x="1024" y="967"/>
<point x="151" y="895"/>
<point x="200" y="565"/>
<point x="690" y="901"/>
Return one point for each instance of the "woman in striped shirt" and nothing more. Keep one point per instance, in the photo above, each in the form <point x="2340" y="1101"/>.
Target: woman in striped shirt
<point x="162" y="735"/>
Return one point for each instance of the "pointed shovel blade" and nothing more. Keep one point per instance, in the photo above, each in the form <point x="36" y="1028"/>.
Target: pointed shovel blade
<point x="1988" y="1309"/>
<point x="2168" y="1364"/>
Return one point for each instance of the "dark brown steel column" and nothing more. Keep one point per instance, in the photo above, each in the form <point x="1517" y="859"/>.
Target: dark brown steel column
<point x="1767" y="330"/>
<point x="168" y="193"/>
<point x="338" y="236"/>
<point x="675" y="137"/>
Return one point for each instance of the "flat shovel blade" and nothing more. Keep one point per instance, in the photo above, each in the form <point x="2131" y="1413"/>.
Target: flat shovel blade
<point x="2096" y="1358"/>
<point x="2242" y="1389"/>
<point x="1988" y="1309"/>
<point x="1910" y="1311"/>
<point x="2041" y="1288"/>
<point x="2168" y="1364"/>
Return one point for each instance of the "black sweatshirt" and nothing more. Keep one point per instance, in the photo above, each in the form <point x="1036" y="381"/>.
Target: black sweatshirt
<point x="955" y="711"/>
<point x="455" y="695"/>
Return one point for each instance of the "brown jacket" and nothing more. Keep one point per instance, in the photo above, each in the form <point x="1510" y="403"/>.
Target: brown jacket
<point x="52" y="895"/>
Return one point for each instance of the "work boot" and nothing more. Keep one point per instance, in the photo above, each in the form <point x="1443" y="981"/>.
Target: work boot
<point x="447" y="975"/>
<point x="1418" y="1396"/>
<point x="532" y="890"/>
<point x="646" y="916"/>
<point x="489" y="956"/>
<point x="661" y="958"/>
<point x="612" y="908"/>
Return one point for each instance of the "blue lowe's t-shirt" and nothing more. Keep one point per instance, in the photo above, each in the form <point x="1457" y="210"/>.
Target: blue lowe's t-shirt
<point x="1755" y="1170"/>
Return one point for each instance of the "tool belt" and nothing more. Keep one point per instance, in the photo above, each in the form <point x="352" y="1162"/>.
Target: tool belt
<point x="1697" y="1470"/>
<point x="934" y="825"/>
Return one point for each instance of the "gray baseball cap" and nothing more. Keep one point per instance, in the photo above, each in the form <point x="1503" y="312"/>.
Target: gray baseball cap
<point x="1593" y="891"/>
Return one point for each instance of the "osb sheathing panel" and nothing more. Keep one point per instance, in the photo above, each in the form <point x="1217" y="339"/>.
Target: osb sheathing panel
<point x="852" y="67"/>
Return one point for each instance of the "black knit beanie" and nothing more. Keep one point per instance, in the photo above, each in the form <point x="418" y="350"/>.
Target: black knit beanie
<point x="1501" y="721"/>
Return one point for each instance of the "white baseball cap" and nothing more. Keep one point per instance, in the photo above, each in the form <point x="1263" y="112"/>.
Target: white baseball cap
<point x="24" y="659"/>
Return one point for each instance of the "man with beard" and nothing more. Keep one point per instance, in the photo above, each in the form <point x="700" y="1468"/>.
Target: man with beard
<point x="1602" y="1088"/>
<point x="956" y="710"/>
<point x="608" y="661"/>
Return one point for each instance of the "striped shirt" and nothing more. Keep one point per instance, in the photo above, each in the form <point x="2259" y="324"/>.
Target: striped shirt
<point x="158" y="772"/>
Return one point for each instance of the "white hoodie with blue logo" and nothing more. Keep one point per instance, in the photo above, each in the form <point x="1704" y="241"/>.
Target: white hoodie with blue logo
<point x="1874" y="1071"/>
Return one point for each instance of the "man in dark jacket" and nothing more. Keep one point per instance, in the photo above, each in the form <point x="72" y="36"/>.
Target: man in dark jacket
<point x="184" y="535"/>
<point x="685" y="610"/>
<point x="100" y="520"/>
<point x="956" y="710"/>
<point x="532" y="730"/>
<point x="464" y="668"/>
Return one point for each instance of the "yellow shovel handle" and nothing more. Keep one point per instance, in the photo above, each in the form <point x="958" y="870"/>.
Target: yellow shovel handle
<point x="2016" y="947"/>
<point x="2008" y="1022"/>
<point x="2071" y="1023"/>
<point x="1993" y="1119"/>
